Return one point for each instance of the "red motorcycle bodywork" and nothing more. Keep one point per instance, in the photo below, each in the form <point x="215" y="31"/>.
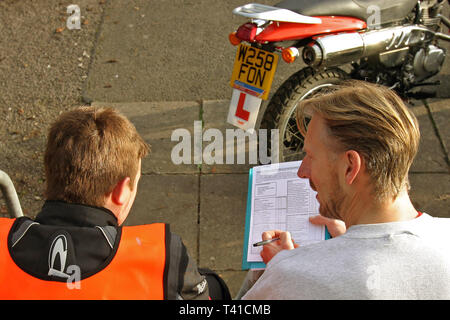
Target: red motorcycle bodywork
<point x="279" y="31"/>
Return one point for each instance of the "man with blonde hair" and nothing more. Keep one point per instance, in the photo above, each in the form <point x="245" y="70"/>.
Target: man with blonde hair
<point x="359" y="143"/>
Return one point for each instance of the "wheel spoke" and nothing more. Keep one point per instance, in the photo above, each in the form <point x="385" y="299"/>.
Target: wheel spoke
<point x="294" y="131"/>
<point x="293" y="156"/>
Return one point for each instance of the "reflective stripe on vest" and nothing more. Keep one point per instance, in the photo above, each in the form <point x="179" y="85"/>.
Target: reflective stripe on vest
<point x="137" y="271"/>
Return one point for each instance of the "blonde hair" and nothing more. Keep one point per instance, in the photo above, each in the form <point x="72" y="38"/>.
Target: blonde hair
<point x="374" y="121"/>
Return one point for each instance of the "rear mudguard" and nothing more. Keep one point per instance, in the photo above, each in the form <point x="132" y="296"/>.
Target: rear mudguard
<point x="280" y="31"/>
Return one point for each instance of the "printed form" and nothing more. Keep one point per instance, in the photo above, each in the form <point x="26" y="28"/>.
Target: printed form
<point x="281" y="200"/>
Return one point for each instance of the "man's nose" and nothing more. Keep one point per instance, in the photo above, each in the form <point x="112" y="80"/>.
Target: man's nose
<point x="303" y="170"/>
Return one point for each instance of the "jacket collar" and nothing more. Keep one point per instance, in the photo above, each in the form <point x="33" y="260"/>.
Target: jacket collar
<point x="69" y="214"/>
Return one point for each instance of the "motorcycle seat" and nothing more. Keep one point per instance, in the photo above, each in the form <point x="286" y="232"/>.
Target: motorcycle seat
<point x="390" y="11"/>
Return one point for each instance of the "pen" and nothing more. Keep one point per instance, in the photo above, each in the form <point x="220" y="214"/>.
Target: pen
<point x="261" y="243"/>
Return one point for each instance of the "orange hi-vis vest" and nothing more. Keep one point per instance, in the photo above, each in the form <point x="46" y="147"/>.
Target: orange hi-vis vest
<point x="137" y="271"/>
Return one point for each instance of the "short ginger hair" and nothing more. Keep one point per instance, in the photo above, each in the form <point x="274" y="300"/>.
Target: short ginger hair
<point x="89" y="150"/>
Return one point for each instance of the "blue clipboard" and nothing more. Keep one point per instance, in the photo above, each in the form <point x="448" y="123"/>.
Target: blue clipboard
<point x="246" y="265"/>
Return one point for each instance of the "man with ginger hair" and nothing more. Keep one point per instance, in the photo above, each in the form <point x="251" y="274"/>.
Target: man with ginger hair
<point x="77" y="248"/>
<point x="359" y="145"/>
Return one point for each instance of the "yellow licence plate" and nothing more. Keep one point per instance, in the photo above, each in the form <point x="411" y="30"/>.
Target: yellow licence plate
<point x="253" y="71"/>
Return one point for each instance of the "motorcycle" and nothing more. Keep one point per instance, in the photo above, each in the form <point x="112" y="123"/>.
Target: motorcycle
<point x="392" y="43"/>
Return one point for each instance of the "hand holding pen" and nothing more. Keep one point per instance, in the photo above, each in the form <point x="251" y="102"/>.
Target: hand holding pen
<point x="275" y="241"/>
<point x="261" y="243"/>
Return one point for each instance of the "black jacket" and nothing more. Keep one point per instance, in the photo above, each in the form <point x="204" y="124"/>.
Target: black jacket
<point x="93" y="237"/>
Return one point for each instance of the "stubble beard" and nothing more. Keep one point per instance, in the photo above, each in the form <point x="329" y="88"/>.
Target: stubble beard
<point x="333" y="206"/>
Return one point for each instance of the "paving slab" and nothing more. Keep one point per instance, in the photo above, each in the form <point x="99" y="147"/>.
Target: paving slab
<point x="430" y="157"/>
<point x="430" y="193"/>
<point x="155" y="122"/>
<point x="222" y="220"/>
<point x="440" y="112"/>
<point x="170" y="199"/>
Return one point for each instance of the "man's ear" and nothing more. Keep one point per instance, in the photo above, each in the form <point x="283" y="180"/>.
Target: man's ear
<point x="353" y="163"/>
<point x="121" y="192"/>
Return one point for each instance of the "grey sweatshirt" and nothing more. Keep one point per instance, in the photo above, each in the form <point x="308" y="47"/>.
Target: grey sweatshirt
<point x="398" y="260"/>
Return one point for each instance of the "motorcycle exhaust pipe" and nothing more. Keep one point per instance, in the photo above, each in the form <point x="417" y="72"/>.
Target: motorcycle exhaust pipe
<point x="339" y="49"/>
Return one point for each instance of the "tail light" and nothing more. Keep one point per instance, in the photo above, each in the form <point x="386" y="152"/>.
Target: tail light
<point x="290" y="54"/>
<point x="234" y="40"/>
<point x="247" y="32"/>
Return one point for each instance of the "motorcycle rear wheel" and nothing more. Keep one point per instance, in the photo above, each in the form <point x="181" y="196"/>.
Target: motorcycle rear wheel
<point x="280" y="113"/>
